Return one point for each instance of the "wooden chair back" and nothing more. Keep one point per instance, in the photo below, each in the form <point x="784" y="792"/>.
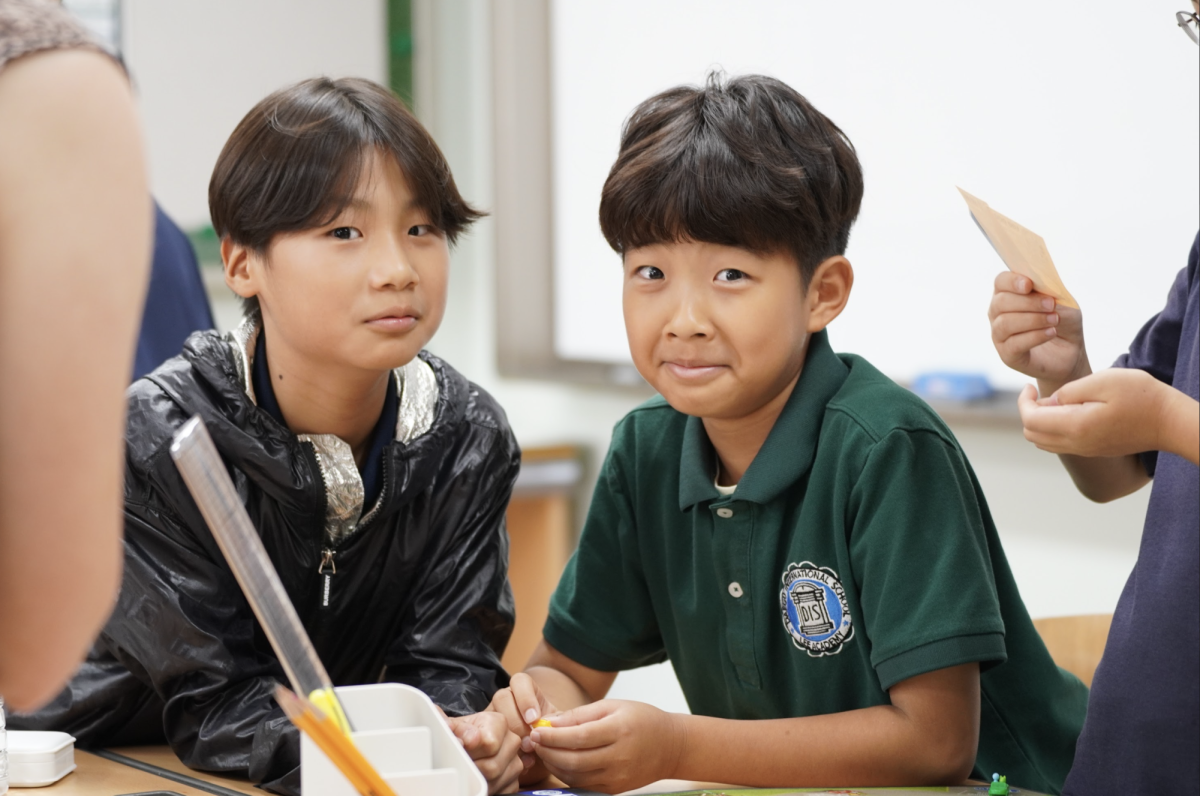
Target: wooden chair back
<point x="1076" y="642"/>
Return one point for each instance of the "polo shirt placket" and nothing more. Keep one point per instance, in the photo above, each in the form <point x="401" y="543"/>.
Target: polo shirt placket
<point x="732" y="528"/>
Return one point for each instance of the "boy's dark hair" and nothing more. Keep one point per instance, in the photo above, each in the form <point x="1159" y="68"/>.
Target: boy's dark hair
<point x="745" y="162"/>
<point x="295" y="160"/>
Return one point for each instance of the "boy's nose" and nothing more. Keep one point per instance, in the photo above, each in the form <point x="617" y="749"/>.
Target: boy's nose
<point x="390" y="268"/>
<point x="690" y="318"/>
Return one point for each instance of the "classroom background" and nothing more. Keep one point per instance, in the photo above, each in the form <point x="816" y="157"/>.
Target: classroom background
<point x="487" y="78"/>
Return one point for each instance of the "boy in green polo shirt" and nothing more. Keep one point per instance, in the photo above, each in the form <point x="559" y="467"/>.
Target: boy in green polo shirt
<point x="802" y="538"/>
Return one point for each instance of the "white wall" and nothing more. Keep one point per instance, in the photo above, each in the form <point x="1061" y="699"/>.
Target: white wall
<point x="1080" y="125"/>
<point x="199" y="65"/>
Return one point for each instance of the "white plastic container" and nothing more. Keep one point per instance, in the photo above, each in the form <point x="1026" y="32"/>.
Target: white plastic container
<point x="39" y="758"/>
<point x="402" y="733"/>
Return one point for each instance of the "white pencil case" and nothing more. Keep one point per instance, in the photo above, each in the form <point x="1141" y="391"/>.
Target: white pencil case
<point x="400" y="731"/>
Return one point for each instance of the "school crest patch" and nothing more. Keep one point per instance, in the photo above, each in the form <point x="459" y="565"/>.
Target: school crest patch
<point x="814" y="608"/>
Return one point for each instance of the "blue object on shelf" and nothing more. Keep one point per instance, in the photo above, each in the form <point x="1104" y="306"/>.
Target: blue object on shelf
<point x="947" y="386"/>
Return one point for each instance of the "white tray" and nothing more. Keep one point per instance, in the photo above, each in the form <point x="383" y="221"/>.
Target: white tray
<point x="400" y="731"/>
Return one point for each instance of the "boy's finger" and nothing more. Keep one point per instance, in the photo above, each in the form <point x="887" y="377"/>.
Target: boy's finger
<point x="527" y="697"/>
<point x="492" y="738"/>
<point x="493" y="761"/>
<point x="1014" y="350"/>
<point x="509" y="781"/>
<point x="584" y="714"/>
<point x="1014" y="323"/>
<point x="570" y="764"/>
<point x="1017" y="302"/>
<point x="1052" y="422"/>
<point x="1012" y="282"/>
<point x="591" y="780"/>
<point x="504" y="704"/>
<point x="467" y="735"/>
<point x="1031" y="411"/>
<point x="592" y="735"/>
<point x="1086" y="390"/>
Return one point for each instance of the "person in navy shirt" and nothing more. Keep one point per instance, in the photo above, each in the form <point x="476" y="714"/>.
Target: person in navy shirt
<point x="1115" y="430"/>
<point x="176" y="304"/>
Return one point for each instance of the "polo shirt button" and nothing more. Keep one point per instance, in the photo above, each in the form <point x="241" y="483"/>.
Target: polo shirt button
<point x="724" y="513"/>
<point x="735" y="589"/>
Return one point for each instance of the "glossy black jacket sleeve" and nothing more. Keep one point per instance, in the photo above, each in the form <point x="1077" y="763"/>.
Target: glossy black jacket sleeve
<point x="200" y="655"/>
<point x="460" y="618"/>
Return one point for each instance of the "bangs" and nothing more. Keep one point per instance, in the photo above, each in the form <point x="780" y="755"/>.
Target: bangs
<point x="297" y="160"/>
<point x="702" y="193"/>
<point x="748" y="163"/>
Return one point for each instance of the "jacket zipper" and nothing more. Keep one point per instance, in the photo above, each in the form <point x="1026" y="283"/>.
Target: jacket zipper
<point x="327" y="569"/>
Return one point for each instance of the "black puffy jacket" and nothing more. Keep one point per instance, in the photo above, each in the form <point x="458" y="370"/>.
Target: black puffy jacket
<point x="420" y="594"/>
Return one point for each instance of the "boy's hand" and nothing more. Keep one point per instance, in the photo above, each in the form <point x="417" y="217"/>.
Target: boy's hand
<point x="522" y="705"/>
<point x="611" y="745"/>
<point x="1115" y="412"/>
<point x="492" y="746"/>
<point x="1034" y="335"/>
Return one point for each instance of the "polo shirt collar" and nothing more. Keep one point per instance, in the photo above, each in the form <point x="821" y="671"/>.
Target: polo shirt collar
<point x="788" y="451"/>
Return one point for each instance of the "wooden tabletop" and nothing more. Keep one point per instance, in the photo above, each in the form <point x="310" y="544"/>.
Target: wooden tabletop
<point x="162" y="757"/>
<point x="96" y="776"/>
<point x="161" y="772"/>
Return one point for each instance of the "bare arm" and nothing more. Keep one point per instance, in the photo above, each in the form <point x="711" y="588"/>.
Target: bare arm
<point x="75" y="227"/>
<point x="928" y="735"/>
<point x="565" y="683"/>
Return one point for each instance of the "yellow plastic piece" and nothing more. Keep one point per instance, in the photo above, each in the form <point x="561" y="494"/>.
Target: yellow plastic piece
<point x="327" y="702"/>
<point x="542" y="723"/>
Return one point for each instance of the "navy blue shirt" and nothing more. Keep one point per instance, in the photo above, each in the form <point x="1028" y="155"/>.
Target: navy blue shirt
<point x="1141" y="733"/>
<point x="176" y="304"/>
<point x="383" y="432"/>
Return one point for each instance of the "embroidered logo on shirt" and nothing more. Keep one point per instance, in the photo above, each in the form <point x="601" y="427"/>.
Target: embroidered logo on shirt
<point x="814" y="608"/>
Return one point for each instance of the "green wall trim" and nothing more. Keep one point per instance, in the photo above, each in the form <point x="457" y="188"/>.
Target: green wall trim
<point x="400" y="49"/>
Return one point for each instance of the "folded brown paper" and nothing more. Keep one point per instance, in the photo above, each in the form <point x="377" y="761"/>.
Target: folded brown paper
<point x="1021" y="250"/>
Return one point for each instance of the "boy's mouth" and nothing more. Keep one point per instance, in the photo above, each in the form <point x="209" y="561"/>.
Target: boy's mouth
<point x="692" y="370"/>
<point x="394" y="319"/>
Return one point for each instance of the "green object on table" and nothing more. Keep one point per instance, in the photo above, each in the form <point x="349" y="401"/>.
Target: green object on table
<point x="999" y="786"/>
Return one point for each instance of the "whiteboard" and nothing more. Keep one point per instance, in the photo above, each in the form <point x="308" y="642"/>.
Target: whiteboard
<point x="1080" y="122"/>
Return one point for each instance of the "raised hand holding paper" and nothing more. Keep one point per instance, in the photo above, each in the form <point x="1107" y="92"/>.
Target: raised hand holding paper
<point x="1022" y="250"/>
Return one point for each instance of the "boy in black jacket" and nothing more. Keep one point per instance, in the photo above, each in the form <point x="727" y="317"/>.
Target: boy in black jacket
<point x="376" y="475"/>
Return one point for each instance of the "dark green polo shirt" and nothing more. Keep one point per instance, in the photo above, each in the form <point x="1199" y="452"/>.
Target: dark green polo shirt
<point x="857" y="552"/>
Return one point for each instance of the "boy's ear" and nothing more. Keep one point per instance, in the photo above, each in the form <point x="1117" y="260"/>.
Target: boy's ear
<point x="828" y="291"/>
<point x="241" y="272"/>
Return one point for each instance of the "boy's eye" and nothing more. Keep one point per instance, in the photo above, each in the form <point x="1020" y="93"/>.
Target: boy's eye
<point x="346" y="233"/>
<point x="731" y="275"/>
<point x="649" y="272"/>
<point x="420" y="230"/>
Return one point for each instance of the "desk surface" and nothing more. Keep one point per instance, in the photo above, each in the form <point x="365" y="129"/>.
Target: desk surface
<point x="96" y="776"/>
<point x="162" y="757"/>
<point x="100" y="776"/>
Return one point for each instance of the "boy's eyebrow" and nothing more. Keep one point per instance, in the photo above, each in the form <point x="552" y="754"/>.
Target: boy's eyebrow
<point x="362" y="203"/>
